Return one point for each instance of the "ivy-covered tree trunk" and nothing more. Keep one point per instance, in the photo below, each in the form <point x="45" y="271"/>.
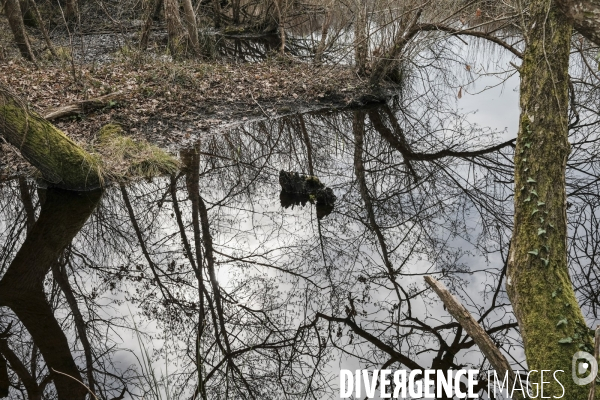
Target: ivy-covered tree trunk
<point x="550" y="320"/>
<point x="60" y="160"/>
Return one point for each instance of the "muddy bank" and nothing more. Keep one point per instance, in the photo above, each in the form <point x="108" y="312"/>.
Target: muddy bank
<point x="172" y="104"/>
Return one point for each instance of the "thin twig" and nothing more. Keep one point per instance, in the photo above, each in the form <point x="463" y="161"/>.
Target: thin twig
<point x="75" y="379"/>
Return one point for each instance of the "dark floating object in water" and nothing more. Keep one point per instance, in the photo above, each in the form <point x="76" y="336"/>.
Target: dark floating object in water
<point x="298" y="189"/>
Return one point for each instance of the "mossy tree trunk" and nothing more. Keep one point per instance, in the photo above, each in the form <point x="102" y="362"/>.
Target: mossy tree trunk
<point x="550" y="320"/>
<point x="585" y="15"/>
<point x="61" y="161"/>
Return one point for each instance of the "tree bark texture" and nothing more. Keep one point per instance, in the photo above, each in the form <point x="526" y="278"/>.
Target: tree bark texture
<point x="585" y="16"/>
<point x="361" y="45"/>
<point x="175" y="29"/>
<point x="550" y="320"/>
<point x="191" y="25"/>
<point x="15" y="20"/>
<point x="60" y="160"/>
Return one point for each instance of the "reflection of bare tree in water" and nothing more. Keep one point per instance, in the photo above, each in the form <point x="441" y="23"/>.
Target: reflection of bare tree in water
<point x="253" y="301"/>
<point x="22" y="290"/>
<point x="263" y="301"/>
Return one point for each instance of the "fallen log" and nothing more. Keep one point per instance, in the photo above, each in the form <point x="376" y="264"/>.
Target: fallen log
<point x="60" y="160"/>
<point x="83" y="106"/>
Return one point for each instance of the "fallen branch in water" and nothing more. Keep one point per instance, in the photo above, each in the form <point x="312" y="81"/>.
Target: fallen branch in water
<point x="470" y="325"/>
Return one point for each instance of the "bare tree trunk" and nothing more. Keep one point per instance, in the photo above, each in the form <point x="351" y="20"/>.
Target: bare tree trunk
<point x="175" y="29"/>
<point x="324" y="32"/>
<point x="15" y="20"/>
<point x="361" y="45"/>
<point x="72" y="11"/>
<point x="279" y="4"/>
<point x="475" y="331"/>
<point x="539" y="287"/>
<point x="217" y="13"/>
<point x="153" y="11"/>
<point x="191" y="25"/>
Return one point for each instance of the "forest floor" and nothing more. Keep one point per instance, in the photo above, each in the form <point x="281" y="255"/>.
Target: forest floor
<point x="171" y="103"/>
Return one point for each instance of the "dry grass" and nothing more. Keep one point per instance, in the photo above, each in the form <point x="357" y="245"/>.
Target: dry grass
<point x="125" y="159"/>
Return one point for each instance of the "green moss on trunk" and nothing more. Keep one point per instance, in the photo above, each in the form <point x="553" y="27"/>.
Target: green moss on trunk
<point x="60" y="160"/>
<point x="65" y="164"/>
<point x="551" y="323"/>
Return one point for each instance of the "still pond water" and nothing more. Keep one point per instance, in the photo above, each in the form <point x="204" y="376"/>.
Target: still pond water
<point x="204" y="284"/>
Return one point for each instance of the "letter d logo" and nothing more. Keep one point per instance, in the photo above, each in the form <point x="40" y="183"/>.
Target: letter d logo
<point x="580" y="367"/>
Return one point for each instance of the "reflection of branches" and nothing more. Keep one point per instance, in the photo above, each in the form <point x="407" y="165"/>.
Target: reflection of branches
<point x="468" y="32"/>
<point x="59" y="274"/>
<point x="396" y="356"/>
<point x="396" y="140"/>
<point x="358" y="130"/>
<point x="138" y="233"/>
<point x="242" y="281"/>
<point x="21" y="287"/>
<point x="34" y="390"/>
